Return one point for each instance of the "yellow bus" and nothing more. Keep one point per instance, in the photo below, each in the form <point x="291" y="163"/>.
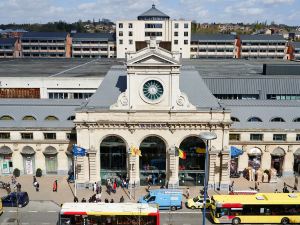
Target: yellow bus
<point x="1" y="207"/>
<point x="268" y="208"/>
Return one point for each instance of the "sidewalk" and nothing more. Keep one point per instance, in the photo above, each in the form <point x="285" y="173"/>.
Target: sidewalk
<point x="65" y="190"/>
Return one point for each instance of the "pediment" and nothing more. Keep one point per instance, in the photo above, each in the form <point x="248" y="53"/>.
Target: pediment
<point x="152" y="59"/>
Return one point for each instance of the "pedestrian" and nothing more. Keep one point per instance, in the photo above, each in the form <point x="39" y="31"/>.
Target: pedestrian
<point x="18" y="187"/>
<point x="114" y="187"/>
<point x="122" y="199"/>
<point x="112" y="201"/>
<point x="100" y="189"/>
<point x="55" y="186"/>
<point x="285" y="189"/>
<point x="34" y="181"/>
<point x="187" y="193"/>
<point x="37" y="186"/>
<point x="95" y="187"/>
<point x="296" y="183"/>
<point x="255" y="186"/>
<point x="276" y="191"/>
<point x="75" y="199"/>
<point x="83" y="200"/>
<point x="106" y="200"/>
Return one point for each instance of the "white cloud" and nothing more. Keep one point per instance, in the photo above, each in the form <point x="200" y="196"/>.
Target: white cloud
<point x="277" y="1"/>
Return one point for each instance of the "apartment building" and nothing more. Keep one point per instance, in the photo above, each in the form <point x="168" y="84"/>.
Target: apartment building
<point x="173" y="35"/>
<point x="46" y="45"/>
<point x="297" y="50"/>
<point x="213" y="46"/>
<point x="10" y="48"/>
<point x="262" y="46"/>
<point x="93" y="45"/>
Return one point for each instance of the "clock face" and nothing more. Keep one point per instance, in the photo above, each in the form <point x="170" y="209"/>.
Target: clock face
<point x="153" y="90"/>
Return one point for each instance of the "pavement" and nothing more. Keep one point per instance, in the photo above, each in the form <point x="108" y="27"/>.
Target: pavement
<point x="65" y="191"/>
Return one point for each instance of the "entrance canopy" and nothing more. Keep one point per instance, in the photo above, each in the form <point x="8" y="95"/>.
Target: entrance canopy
<point x="5" y="150"/>
<point x="254" y="151"/>
<point x="27" y="150"/>
<point x="235" y="152"/>
<point x="50" y="150"/>
<point x="278" y="152"/>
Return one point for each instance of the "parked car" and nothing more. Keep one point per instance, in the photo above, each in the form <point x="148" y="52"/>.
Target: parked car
<point x="15" y="199"/>
<point x="197" y="202"/>
<point x="165" y="198"/>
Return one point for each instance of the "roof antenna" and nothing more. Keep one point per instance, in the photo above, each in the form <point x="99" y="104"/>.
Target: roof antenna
<point x="153" y="5"/>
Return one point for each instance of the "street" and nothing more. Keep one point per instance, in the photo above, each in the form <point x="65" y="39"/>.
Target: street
<point x="46" y="213"/>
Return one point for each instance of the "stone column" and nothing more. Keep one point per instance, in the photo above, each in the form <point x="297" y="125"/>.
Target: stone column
<point x="288" y="162"/>
<point x="211" y="171"/>
<point x="173" y="169"/>
<point x="82" y="172"/>
<point x="134" y="171"/>
<point x="266" y="159"/>
<point x="225" y="160"/>
<point x="94" y="177"/>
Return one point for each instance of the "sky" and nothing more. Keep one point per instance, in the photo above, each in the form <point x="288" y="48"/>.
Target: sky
<point x="202" y="11"/>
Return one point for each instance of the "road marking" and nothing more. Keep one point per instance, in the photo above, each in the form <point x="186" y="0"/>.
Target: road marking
<point x="12" y="211"/>
<point x="45" y="223"/>
<point x="52" y="211"/>
<point x="33" y="211"/>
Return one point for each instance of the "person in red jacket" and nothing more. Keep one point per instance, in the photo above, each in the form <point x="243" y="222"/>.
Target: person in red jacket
<point x="55" y="186"/>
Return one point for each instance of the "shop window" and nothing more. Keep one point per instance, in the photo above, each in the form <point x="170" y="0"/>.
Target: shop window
<point x="279" y="137"/>
<point x="298" y="137"/>
<point x="6" y="117"/>
<point x="29" y="118"/>
<point x="277" y="119"/>
<point x="27" y="136"/>
<point x="234" y="137"/>
<point x="5" y="135"/>
<point x="254" y="119"/>
<point x="256" y="137"/>
<point x="51" y="118"/>
<point x="49" y="136"/>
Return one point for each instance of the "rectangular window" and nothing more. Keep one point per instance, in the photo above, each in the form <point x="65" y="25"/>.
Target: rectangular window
<point x="298" y="137"/>
<point x="130" y="42"/>
<point x="120" y="25"/>
<point x="50" y="136"/>
<point x="72" y="136"/>
<point x="120" y="33"/>
<point x="176" y="34"/>
<point x="186" y="34"/>
<point x="234" y="137"/>
<point x="5" y="135"/>
<point x="186" y="25"/>
<point x="27" y="136"/>
<point x="130" y="25"/>
<point x="256" y="137"/>
<point x="279" y="137"/>
<point x="130" y="33"/>
<point x="186" y="42"/>
<point x="175" y="42"/>
<point x="120" y="41"/>
<point x="153" y="34"/>
<point x="153" y="25"/>
<point x="176" y="25"/>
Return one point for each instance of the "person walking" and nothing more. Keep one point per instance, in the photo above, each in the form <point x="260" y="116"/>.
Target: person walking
<point x="95" y="187"/>
<point x="34" y="181"/>
<point x="122" y="199"/>
<point x="75" y="199"/>
<point x="37" y="186"/>
<point x="18" y="187"/>
<point x="187" y="193"/>
<point x="55" y="186"/>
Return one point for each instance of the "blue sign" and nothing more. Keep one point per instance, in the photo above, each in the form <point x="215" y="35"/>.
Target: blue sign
<point x="78" y="151"/>
<point x="235" y="152"/>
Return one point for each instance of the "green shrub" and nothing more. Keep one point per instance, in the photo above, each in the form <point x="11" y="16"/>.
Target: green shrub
<point x="16" y="172"/>
<point x="38" y="172"/>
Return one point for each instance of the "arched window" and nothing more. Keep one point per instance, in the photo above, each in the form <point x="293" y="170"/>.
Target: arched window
<point x="296" y="119"/>
<point x="29" y="118"/>
<point x="51" y="118"/>
<point x="254" y="119"/>
<point x="6" y="117"/>
<point x="234" y="119"/>
<point x="71" y="118"/>
<point x="277" y="119"/>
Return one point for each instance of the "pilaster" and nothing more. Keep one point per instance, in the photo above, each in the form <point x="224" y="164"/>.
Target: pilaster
<point x="224" y="179"/>
<point x="173" y="169"/>
<point x="211" y="172"/>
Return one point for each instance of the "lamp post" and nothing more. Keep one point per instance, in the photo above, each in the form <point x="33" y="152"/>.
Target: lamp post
<point x="207" y="136"/>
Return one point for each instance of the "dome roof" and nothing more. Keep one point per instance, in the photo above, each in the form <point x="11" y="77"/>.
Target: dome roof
<point x="153" y="14"/>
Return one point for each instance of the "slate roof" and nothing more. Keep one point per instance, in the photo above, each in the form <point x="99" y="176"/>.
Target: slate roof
<point x="94" y="36"/>
<point x="262" y="37"/>
<point x="8" y="41"/>
<point x="114" y="84"/>
<point x="212" y="37"/>
<point x="265" y="110"/>
<point x="40" y="109"/>
<point x="45" y="35"/>
<point x="153" y="12"/>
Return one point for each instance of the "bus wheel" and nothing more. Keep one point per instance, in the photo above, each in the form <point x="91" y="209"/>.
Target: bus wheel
<point x="173" y="208"/>
<point x="236" y="221"/>
<point x="285" y="220"/>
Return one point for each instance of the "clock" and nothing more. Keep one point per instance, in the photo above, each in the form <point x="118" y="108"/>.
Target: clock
<point x="153" y="90"/>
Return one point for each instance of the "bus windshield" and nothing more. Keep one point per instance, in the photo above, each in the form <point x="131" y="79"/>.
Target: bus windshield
<point x="147" y="196"/>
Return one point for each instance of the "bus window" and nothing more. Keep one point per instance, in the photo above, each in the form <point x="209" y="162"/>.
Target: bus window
<point x="151" y="199"/>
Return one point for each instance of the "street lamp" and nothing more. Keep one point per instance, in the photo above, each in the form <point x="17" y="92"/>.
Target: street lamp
<point x="207" y="136"/>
